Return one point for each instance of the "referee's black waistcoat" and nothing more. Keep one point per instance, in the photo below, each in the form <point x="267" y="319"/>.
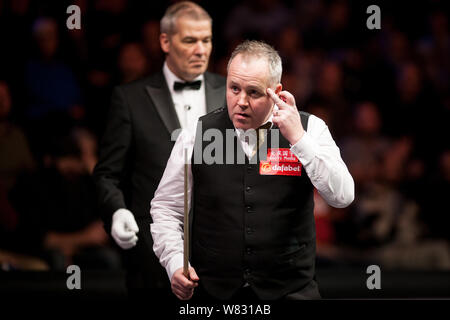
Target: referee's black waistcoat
<point x="247" y="227"/>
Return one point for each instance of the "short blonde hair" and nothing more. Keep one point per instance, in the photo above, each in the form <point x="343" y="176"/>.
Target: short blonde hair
<point x="260" y="49"/>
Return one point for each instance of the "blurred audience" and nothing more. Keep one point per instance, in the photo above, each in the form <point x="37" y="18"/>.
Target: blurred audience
<point x="51" y="84"/>
<point x="16" y="159"/>
<point x="257" y="19"/>
<point x="57" y="207"/>
<point x="364" y="149"/>
<point x="16" y="155"/>
<point x="132" y="62"/>
<point x="150" y="43"/>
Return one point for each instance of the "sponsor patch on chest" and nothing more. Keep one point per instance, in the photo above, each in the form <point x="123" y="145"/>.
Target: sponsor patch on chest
<point x="280" y="162"/>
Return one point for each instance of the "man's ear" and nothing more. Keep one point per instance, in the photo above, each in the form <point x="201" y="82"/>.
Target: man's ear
<point x="164" y="42"/>
<point x="278" y="88"/>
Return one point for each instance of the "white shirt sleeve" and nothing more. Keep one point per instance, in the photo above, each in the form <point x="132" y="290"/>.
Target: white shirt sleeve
<point x="321" y="158"/>
<point x="167" y="206"/>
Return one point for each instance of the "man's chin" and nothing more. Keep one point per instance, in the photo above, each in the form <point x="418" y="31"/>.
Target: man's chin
<point x="195" y="71"/>
<point x="238" y="124"/>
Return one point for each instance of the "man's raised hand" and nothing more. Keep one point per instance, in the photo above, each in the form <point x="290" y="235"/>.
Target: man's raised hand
<point x="287" y="117"/>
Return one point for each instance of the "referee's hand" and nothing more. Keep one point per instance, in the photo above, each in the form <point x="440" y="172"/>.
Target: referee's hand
<point x="124" y="229"/>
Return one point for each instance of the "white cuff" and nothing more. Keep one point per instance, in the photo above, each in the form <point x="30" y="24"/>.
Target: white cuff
<point x="305" y="149"/>
<point x="121" y="211"/>
<point x="175" y="263"/>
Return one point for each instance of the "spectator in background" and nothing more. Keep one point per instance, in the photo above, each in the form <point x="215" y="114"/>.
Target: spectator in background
<point x="309" y="14"/>
<point x="112" y="23"/>
<point x="434" y="48"/>
<point x="298" y="63"/>
<point x="53" y="93"/>
<point x="407" y="110"/>
<point x="51" y="85"/>
<point x="16" y="155"/>
<point x="335" y="30"/>
<point x="364" y="148"/>
<point x="398" y="49"/>
<point x="15" y="160"/>
<point x="388" y="224"/>
<point x="329" y="92"/>
<point x="435" y="214"/>
<point x="263" y="19"/>
<point x="132" y="62"/>
<point x="87" y="143"/>
<point x="405" y="114"/>
<point x="58" y="210"/>
<point x="150" y="43"/>
<point x="381" y="204"/>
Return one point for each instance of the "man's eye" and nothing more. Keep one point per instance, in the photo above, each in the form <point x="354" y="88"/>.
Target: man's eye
<point x="234" y="89"/>
<point x="254" y="94"/>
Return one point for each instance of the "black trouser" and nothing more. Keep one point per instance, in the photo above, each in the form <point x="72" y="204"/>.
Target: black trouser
<point x="144" y="273"/>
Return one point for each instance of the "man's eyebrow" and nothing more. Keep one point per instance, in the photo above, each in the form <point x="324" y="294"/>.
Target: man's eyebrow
<point x="197" y="38"/>
<point x="247" y="88"/>
<point x="256" y="88"/>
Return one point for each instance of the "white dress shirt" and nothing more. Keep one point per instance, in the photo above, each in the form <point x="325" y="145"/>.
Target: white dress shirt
<point x="316" y="150"/>
<point x="189" y="104"/>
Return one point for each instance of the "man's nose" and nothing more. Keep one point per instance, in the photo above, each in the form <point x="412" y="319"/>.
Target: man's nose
<point x="243" y="100"/>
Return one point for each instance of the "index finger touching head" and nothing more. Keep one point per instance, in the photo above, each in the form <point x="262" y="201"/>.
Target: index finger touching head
<point x="287" y="97"/>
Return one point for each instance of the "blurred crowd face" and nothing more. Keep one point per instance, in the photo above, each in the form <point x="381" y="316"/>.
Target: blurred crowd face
<point x="409" y="82"/>
<point x="367" y="119"/>
<point x="132" y="62"/>
<point x="5" y="101"/>
<point x="188" y="48"/>
<point x="150" y="37"/>
<point x="330" y="79"/>
<point x="445" y="165"/>
<point x="248" y="104"/>
<point x="395" y="159"/>
<point x="46" y="34"/>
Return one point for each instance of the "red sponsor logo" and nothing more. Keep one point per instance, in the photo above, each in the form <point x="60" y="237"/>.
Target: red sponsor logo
<point x="280" y="162"/>
<point x="280" y="168"/>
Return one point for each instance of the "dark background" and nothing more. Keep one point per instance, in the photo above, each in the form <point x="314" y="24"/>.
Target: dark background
<point x="383" y="93"/>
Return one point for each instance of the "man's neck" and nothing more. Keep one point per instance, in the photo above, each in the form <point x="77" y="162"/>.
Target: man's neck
<point x="179" y="76"/>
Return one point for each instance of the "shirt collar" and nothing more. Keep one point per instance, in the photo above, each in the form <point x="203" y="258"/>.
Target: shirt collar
<point x="171" y="77"/>
<point x="241" y="132"/>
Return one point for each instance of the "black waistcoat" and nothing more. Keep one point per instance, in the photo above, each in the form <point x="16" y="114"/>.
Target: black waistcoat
<point x="247" y="227"/>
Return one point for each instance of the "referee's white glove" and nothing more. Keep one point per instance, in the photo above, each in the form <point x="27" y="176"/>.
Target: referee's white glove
<point x="124" y="229"/>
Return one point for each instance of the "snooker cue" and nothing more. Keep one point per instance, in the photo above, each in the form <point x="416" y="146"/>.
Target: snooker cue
<point x="186" y="218"/>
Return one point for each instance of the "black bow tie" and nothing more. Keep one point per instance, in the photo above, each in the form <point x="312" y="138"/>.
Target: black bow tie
<point x="194" y="85"/>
